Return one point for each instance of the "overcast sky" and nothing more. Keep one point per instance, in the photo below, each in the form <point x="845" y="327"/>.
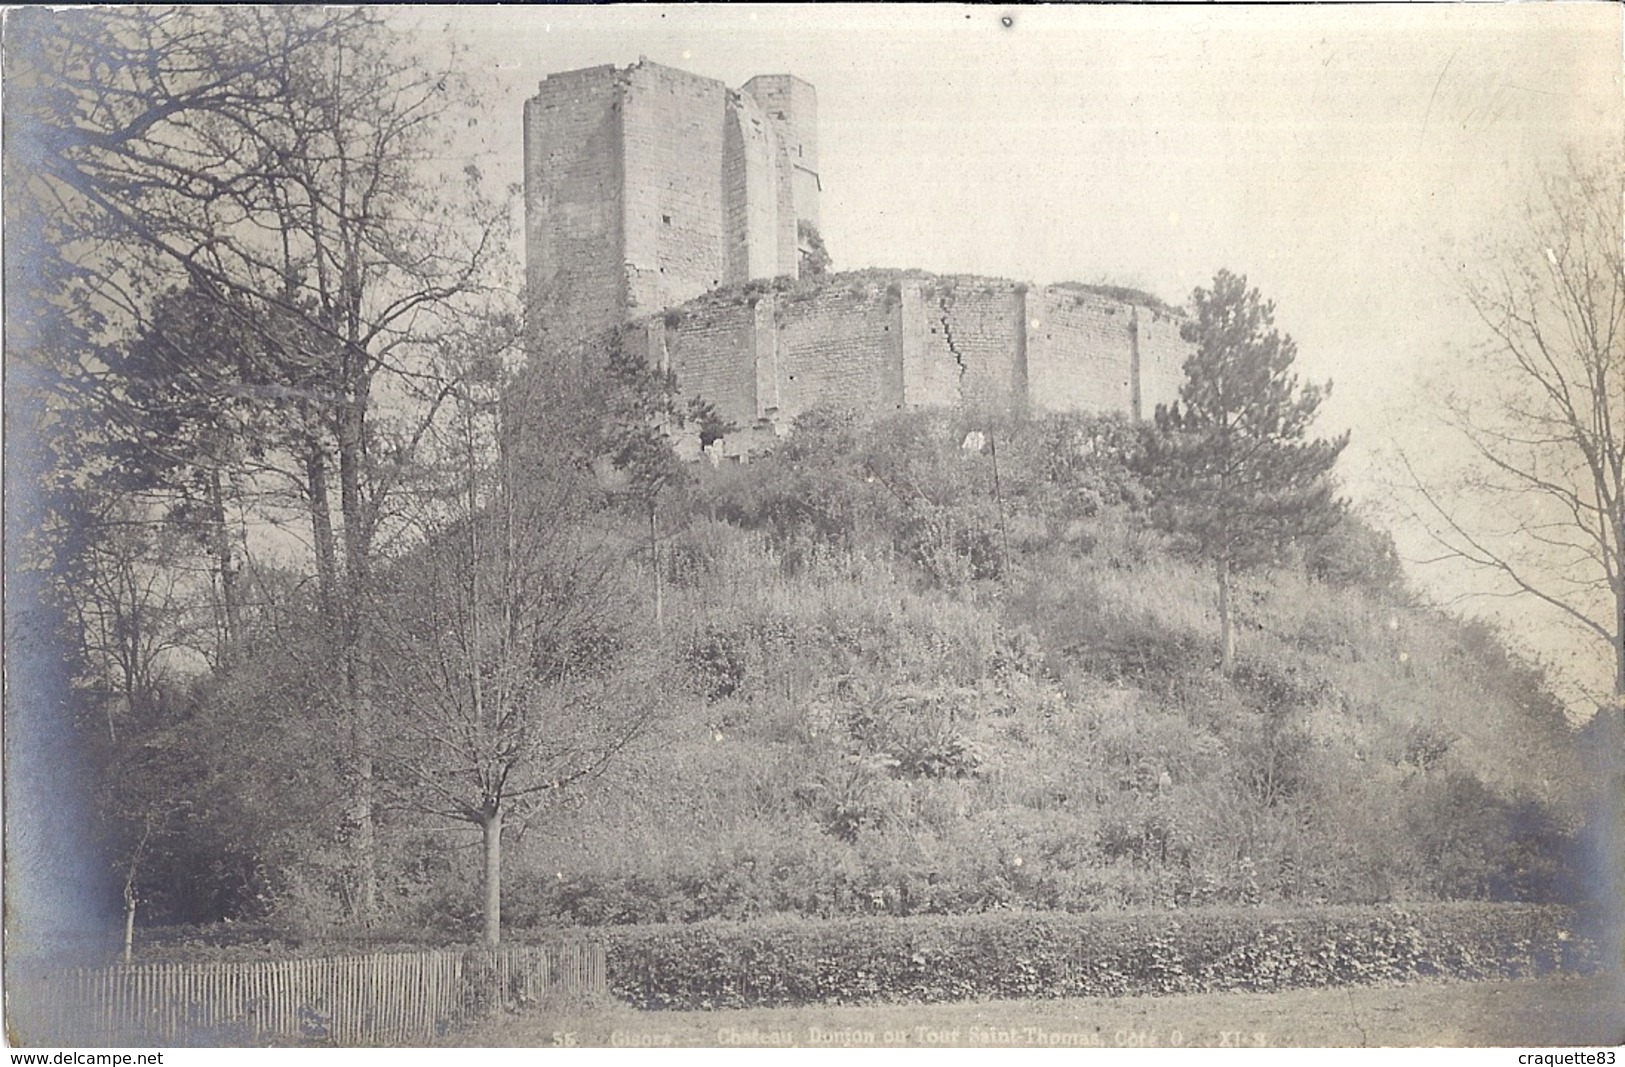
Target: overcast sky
<point x="1344" y="158"/>
<point x="1341" y="157"/>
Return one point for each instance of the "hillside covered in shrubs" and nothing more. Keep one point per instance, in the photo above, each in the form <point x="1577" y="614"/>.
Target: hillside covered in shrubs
<point x="935" y="664"/>
<point x="908" y="673"/>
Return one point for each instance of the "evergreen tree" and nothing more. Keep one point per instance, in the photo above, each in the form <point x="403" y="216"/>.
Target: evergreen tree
<point x="1233" y="471"/>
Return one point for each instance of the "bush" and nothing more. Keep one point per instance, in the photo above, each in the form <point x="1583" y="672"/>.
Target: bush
<point x="716" y="661"/>
<point x="1353" y="553"/>
<point x="1078" y="464"/>
<point x="951" y="545"/>
<point x="1039" y="955"/>
<point x="814" y="256"/>
<point x="922" y="731"/>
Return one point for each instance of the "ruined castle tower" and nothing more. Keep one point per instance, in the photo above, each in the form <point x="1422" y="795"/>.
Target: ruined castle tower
<point x="648" y="186"/>
<point x="651" y="194"/>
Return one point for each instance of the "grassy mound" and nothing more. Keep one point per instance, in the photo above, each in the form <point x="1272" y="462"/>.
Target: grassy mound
<point x="895" y="690"/>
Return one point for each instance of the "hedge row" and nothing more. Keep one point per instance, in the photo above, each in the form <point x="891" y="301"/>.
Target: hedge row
<point x="1006" y="955"/>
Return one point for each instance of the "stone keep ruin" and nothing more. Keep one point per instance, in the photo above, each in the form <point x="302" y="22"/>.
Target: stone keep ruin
<point x="670" y="207"/>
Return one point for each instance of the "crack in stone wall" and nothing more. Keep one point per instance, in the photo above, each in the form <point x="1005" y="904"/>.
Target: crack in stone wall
<point x="948" y="339"/>
<point x="764" y="356"/>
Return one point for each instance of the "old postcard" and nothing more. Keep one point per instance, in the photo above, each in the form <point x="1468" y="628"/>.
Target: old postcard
<point x="866" y="526"/>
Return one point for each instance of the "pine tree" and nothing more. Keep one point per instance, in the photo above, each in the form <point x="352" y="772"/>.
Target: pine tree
<point x="1234" y="473"/>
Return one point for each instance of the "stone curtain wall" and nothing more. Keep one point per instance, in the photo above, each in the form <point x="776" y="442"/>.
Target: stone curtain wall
<point x="1089" y="352"/>
<point x="1081" y="351"/>
<point x="972" y="341"/>
<point x="712" y="350"/>
<point x="1162" y="359"/>
<point x="912" y="341"/>
<point x="648" y="188"/>
<point x="837" y="346"/>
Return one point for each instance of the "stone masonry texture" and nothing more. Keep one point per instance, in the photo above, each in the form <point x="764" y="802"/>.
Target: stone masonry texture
<point x="883" y="340"/>
<point x="648" y="186"/>
<point x="574" y="223"/>
<point x="660" y="203"/>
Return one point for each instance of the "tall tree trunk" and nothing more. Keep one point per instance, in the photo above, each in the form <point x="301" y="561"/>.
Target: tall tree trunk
<point x="131" y="898"/>
<point x="491" y="828"/>
<point x="1619" y="650"/>
<point x="1618" y="590"/>
<point x="363" y="835"/>
<point x="654" y="558"/>
<point x="225" y="566"/>
<point x="321" y="525"/>
<point x="358" y="665"/>
<point x="129" y="914"/>
<point x="1227" y="633"/>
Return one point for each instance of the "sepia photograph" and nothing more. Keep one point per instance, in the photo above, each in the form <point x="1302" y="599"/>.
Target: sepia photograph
<point x="774" y="526"/>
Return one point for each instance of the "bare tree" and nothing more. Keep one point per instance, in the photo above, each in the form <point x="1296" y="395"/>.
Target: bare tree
<point x="285" y="164"/>
<point x="129" y="601"/>
<point x="516" y="667"/>
<point x="1542" y="508"/>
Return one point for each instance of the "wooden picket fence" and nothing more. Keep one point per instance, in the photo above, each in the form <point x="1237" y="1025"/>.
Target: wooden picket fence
<point x="382" y="999"/>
